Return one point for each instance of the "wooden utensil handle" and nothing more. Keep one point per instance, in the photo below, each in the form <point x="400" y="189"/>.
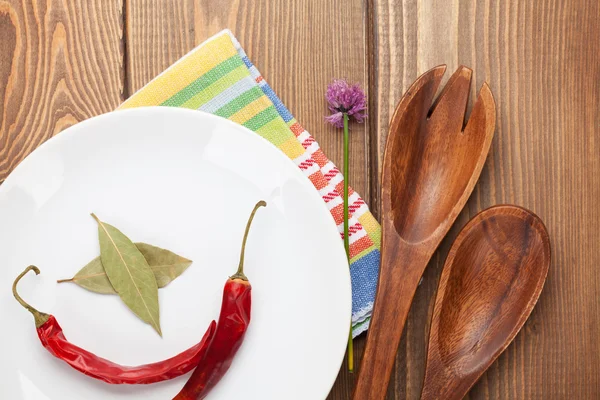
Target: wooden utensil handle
<point x="401" y="270"/>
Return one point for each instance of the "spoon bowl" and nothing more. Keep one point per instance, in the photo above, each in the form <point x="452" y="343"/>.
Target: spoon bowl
<point x="492" y="278"/>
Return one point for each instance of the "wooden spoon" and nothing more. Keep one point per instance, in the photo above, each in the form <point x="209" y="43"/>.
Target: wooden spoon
<point x="491" y="281"/>
<point x="431" y="164"/>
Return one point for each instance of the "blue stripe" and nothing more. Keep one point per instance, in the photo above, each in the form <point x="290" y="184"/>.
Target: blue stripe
<point x="364" y="274"/>
<point x="246" y="61"/>
<point x="281" y="109"/>
<point x="228" y="95"/>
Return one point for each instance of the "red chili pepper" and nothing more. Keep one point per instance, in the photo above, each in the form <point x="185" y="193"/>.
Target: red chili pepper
<point x="231" y="328"/>
<point x="52" y="338"/>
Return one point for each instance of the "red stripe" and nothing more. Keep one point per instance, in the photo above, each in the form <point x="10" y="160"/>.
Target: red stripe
<point x="355" y="206"/>
<point x="360" y="245"/>
<point x="318" y="180"/>
<point x="310" y="140"/>
<point x="353" y="229"/>
<point x="329" y="196"/>
<point x="296" y="129"/>
<point x="338" y="213"/>
<point x="320" y="158"/>
<point x="340" y="188"/>
<point x="331" y="173"/>
<point x="259" y="78"/>
<point x="306" y="164"/>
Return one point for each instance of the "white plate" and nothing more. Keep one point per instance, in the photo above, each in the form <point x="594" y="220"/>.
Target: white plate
<point x="186" y="181"/>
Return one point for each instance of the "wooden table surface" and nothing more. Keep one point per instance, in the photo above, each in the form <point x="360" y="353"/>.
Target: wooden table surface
<point x="64" y="61"/>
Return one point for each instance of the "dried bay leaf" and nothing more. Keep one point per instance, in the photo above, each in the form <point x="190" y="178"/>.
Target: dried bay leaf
<point x="93" y="278"/>
<point x="165" y="265"/>
<point x="129" y="273"/>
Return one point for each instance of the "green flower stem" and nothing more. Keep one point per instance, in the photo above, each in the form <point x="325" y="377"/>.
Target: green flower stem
<point x="346" y="235"/>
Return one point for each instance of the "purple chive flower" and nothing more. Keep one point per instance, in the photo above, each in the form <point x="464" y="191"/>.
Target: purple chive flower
<point x="345" y="98"/>
<point x="346" y="101"/>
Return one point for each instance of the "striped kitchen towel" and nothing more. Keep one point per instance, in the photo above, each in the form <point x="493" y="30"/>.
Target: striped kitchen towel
<point x="217" y="77"/>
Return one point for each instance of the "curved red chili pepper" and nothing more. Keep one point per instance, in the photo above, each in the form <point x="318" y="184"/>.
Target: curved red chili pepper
<point x="52" y="338"/>
<point x="231" y="329"/>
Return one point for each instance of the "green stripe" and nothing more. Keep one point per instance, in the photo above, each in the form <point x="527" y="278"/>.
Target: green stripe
<point x="262" y="118"/>
<point x="375" y="236"/>
<point x="276" y="132"/>
<point x="218" y="86"/>
<point x="204" y="81"/>
<point x="361" y="323"/>
<point x="239" y="102"/>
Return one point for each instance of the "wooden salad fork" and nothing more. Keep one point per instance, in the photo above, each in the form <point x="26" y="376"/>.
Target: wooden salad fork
<point x="431" y="163"/>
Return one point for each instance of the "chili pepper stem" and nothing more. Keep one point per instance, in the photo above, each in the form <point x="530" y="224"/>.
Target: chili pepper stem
<point x="346" y="229"/>
<point x="240" y="271"/>
<point x="40" y="317"/>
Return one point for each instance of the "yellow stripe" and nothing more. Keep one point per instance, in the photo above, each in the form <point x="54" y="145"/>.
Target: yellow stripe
<point x="182" y="73"/>
<point x="251" y="110"/>
<point x="372" y="227"/>
<point x="292" y="148"/>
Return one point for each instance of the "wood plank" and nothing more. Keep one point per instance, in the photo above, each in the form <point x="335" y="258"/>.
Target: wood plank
<point x="61" y="62"/>
<point x="158" y="33"/>
<point x="299" y="47"/>
<point x="542" y="61"/>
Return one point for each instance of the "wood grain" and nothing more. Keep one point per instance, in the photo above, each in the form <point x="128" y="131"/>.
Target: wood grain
<point x="158" y="33"/>
<point x="60" y="63"/>
<point x="542" y="61"/>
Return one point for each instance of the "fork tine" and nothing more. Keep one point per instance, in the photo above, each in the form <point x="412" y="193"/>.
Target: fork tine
<point x="419" y="95"/>
<point x="451" y="105"/>
<point x="483" y="116"/>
